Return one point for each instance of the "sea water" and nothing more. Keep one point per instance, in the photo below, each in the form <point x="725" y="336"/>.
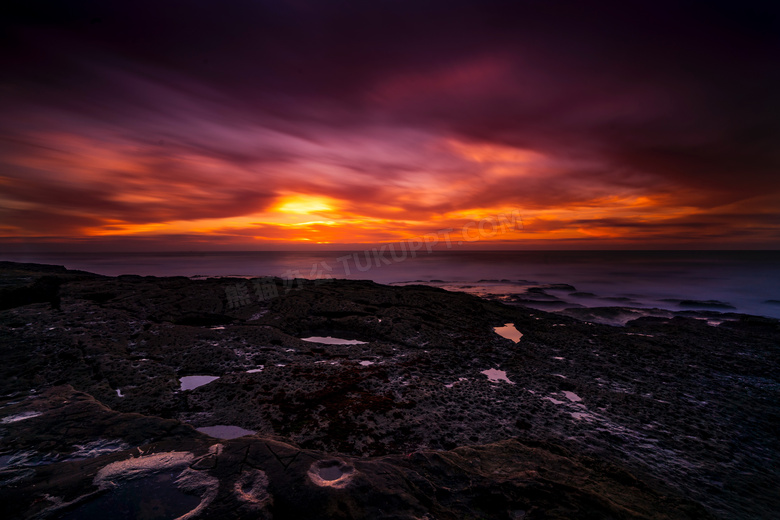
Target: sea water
<point x="723" y="281"/>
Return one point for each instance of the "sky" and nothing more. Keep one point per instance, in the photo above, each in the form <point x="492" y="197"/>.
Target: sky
<point x="295" y="124"/>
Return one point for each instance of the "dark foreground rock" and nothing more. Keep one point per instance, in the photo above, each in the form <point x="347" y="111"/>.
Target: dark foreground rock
<point x="254" y="477"/>
<point x="667" y="417"/>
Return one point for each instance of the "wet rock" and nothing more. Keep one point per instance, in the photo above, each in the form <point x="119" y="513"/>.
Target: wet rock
<point x="600" y="421"/>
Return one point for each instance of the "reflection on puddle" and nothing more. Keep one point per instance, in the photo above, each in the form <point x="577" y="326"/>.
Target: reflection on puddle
<point x="332" y="473"/>
<point x="495" y="375"/>
<point x="571" y="396"/>
<point x="509" y="331"/>
<point x="329" y="340"/>
<point x="366" y="363"/>
<point x="221" y="431"/>
<point x="156" y="496"/>
<point x="191" y="382"/>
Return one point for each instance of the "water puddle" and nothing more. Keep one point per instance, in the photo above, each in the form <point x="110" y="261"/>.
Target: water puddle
<point x="5" y="460"/>
<point x="571" y="396"/>
<point x="509" y="331"/>
<point x="97" y="448"/>
<point x="26" y="458"/>
<point x="329" y="340"/>
<point x="158" y="486"/>
<point x="19" y="417"/>
<point x="582" y="416"/>
<point x="331" y="473"/>
<point x="221" y="431"/>
<point x="366" y="363"/>
<point x="495" y="375"/>
<point x="155" y="497"/>
<point x="252" y="487"/>
<point x="192" y="382"/>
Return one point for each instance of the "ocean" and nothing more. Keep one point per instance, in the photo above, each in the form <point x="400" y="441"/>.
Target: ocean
<point x="721" y="281"/>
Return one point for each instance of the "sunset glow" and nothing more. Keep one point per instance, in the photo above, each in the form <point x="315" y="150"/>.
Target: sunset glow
<point x="267" y="132"/>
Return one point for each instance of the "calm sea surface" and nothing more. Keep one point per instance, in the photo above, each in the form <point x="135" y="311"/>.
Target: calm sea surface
<point x="736" y="281"/>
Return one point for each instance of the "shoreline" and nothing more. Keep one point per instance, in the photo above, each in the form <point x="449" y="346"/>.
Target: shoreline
<point x="745" y="282"/>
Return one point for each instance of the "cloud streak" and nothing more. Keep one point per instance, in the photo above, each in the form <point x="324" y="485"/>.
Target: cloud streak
<point x="195" y="123"/>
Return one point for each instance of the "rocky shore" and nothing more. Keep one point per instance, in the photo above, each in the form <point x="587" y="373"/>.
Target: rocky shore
<point x="423" y="411"/>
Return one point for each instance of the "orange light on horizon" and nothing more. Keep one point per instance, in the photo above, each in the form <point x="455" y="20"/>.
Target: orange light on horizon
<point x="304" y="204"/>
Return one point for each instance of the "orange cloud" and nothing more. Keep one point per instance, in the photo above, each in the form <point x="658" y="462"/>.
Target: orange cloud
<point x="381" y="186"/>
